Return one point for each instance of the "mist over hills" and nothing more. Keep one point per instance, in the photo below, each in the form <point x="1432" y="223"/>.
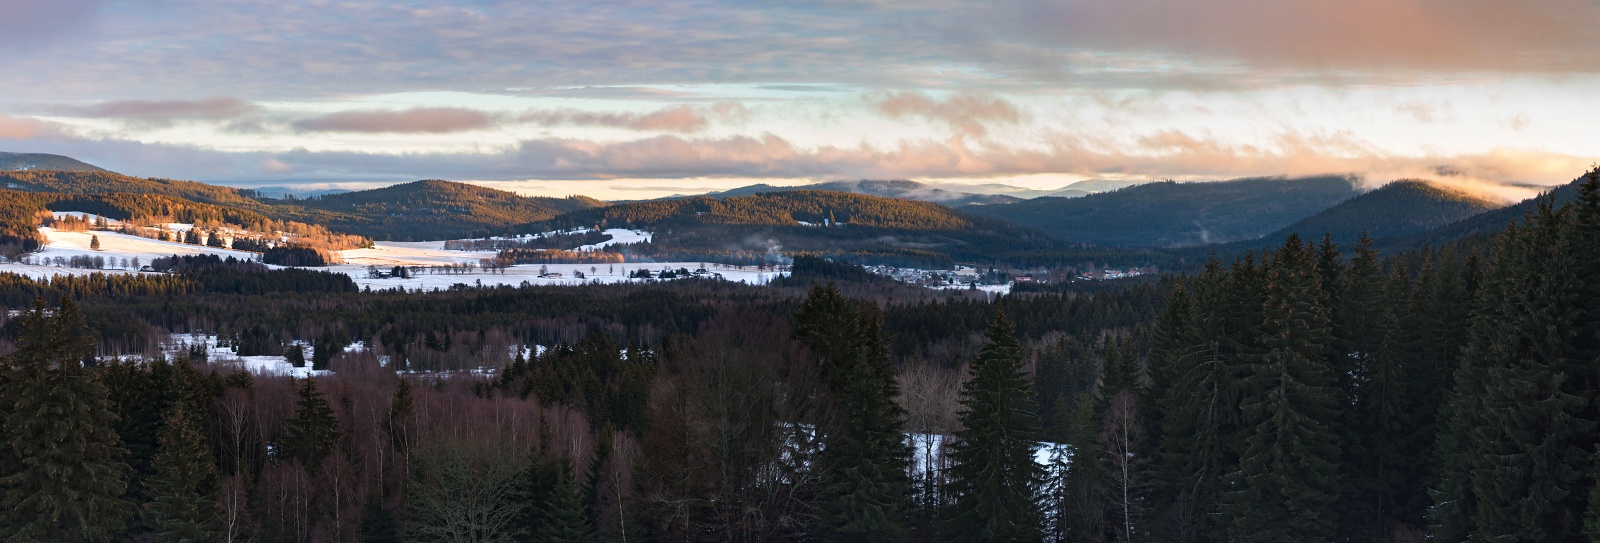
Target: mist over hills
<point x="1169" y="214"/>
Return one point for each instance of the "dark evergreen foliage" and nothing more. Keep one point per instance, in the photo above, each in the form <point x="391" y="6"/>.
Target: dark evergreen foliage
<point x="62" y="477"/>
<point x="994" y="478"/>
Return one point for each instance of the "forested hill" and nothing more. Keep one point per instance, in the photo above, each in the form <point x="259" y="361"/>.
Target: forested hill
<point x="1177" y="214"/>
<point x="42" y="161"/>
<point x="1397" y="209"/>
<point x="1484" y="224"/>
<point x="422" y="210"/>
<point x="870" y="228"/>
<point x="427" y="210"/>
<point x="788" y="208"/>
<point x="898" y="188"/>
<point x="104" y="182"/>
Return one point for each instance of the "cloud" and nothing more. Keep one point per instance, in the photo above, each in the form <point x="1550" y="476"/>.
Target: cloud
<point x="969" y="113"/>
<point x="215" y="108"/>
<point x="1448" y="35"/>
<point x="20" y="128"/>
<point x="32" y="22"/>
<point x="271" y="51"/>
<point x="430" y="120"/>
<point x="679" y="119"/>
<point x="1427" y="111"/>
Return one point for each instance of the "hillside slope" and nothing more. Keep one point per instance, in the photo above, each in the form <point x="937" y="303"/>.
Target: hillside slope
<point x="1483" y="224"/>
<point x="42" y="161"/>
<point x="417" y="211"/>
<point x="1172" y="214"/>
<point x="426" y="210"/>
<point x="1397" y="209"/>
<point x="863" y="228"/>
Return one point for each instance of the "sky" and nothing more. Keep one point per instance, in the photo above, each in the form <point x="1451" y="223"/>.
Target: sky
<point x="636" y="99"/>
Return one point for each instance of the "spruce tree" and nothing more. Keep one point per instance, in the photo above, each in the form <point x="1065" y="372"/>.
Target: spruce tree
<point x="1286" y="481"/>
<point x="63" y="479"/>
<point x="864" y="494"/>
<point x="311" y="434"/>
<point x="1517" y="447"/>
<point x="995" y="479"/>
<point x="182" y="508"/>
<point x="552" y="505"/>
<point x="1199" y="419"/>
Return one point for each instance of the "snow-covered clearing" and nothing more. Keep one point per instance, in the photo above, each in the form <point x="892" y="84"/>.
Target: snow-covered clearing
<point x="115" y="247"/>
<point x="262" y="365"/>
<point x="618" y="235"/>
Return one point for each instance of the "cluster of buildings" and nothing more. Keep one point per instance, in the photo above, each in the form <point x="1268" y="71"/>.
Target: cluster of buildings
<point x="1108" y="274"/>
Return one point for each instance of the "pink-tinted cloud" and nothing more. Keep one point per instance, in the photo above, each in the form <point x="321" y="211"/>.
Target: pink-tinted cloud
<point x="1337" y="34"/>
<point x="422" y="120"/>
<point x="215" y="108"/>
<point x="676" y="119"/>
<point x="969" y="113"/>
<point x="19" y="128"/>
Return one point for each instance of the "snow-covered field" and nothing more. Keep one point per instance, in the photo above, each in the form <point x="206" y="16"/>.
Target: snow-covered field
<point x="115" y="247"/>
<point x="263" y="365"/>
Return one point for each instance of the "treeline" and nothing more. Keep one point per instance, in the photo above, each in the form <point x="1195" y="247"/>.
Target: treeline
<point x="556" y="240"/>
<point x="558" y="256"/>
<point x="297" y="255"/>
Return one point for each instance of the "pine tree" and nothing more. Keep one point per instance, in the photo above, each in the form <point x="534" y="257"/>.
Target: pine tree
<point x="311" y="435"/>
<point x="94" y="242"/>
<point x="1287" y="478"/>
<point x="62" y="480"/>
<point x="995" y="479"/>
<point x="183" y="508"/>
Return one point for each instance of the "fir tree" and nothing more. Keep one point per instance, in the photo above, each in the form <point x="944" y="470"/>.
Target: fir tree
<point x="94" y="242"/>
<point x="182" y="508"/>
<point x="63" y="480"/>
<point x="995" y="480"/>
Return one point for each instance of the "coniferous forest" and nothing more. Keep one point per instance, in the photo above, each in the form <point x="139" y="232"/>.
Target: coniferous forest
<point x="1314" y="391"/>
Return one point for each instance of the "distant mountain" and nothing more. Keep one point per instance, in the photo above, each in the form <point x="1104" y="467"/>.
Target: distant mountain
<point x="426" y="210"/>
<point x="906" y="190"/>
<point x="1168" y="214"/>
<point x="862" y="228"/>
<point x="41" y="161"/>
<point x="1397" y="209"/>
<point x="1091" y="186"/>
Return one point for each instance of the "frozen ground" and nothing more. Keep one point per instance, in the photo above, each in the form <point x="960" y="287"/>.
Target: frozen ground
<point x="263" y="365"/>
<point x="115" y="247"/>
